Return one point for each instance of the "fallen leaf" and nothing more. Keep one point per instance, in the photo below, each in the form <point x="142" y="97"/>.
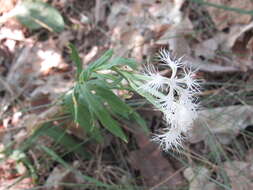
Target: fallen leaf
<point x="239" y="43"/>
<point x="154" y="168"/>
<point x="135" y="25"/>
<point x="175" y="37"/>
<point x="64" y="39"/>
<point x="240" y="174"/>
<point x="198" y="179"/>
<point x="249" y="156"/>
<point x="208" y="48"/>
<point x="206" y="66"/>
<point x="39" y="100"/>
<point x="31" y="64"/>
<point x="224" y="18"/>
<point x="225" y="123"/>
<point x="10" y="173"/>
<point x="56" y="177"/>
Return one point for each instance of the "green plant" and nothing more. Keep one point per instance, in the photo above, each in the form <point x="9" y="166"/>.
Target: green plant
<point x="92" y="102"/>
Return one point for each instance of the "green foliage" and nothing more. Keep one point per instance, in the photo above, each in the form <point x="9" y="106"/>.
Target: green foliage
<point x="60" y="136"/>
<point x="94" y="106"/>
<point x="76" y="59"/>
<point x="92" y="101"/>
<point x="35" y="14"/>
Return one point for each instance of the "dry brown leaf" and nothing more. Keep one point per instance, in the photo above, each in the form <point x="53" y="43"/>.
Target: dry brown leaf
<point x="40" y="100"/>
<point x="224" y="18"/>
<point x="198" y="179"/>
<point x="33" y="62"/>
<point x="11" y="184"/>
<point x="26" y="73"/>
<point x="56" y="177"/>
<point x="108" y="174"/>
<point x="249" y="156"/>
<point x="100" y="11"/>
<point x="12" y="34"/>
<point x="239" y="42"/>
<point x="237" y="45"/>
<point x="208" y="67"/>
<point x="54" y="87"/>
<point x="235" y="51"/>
<point x="10" y="174"/>
<point x="134" y="26"/>
<point x="64" y="39"/>
<point x="235" y="33"/>
<point x="32" y="121"/>
<point x="208" y="48"/>
<point x="154" y="168"/>
<point x="175" y="37"/>
<point x="225" y="123"/>
<point x="240" y="174"/>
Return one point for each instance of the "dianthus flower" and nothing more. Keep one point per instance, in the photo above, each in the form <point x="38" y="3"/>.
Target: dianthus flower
<point x="174" y="97"/>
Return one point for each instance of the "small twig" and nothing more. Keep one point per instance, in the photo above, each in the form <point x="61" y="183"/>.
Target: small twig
<point x="166" y="179"/>
<point x="7" y="86"/>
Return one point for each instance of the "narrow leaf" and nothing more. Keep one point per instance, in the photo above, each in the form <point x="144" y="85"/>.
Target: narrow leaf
<point x="104" y="58"/>
<point x="102" y="114"/>
<point x="76" y="59"/>
<point x="60" y="136"/>
<point x="115" y="103"/>
<point x="118" y="61"/>
<point x="81" y="114"/>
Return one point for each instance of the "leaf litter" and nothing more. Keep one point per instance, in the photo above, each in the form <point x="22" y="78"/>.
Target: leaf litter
<point x="35" y="71"/>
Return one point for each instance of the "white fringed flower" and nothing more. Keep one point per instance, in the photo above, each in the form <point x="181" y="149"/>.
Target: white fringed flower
<point x="155" y="82"/>
<point x="171" y="139"/>
<point x="174" y="97"/>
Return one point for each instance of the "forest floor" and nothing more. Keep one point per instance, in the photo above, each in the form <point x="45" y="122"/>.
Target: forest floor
<point x="213" y="36"/>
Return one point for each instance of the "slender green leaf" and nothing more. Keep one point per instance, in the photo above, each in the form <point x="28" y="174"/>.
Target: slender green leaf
<point x="118" y="61"/>
<point x="31" y="141"/>
<point x="134" y="82"/>
<point x="31" y="167"/>
<point x="115" y="80"/>
<point x="76" y="59"/>
<point x="84" y="117"/>
<point x="74" y="100"/>
<point x="101" y="61"/>
<point x="60" y="136"/>
<point x="115" y="103"/>
<point x="96" y="64"/>
<point x="96" y="134"/>
<point x="96" y="106"/>
<point x="140" y="121"/>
